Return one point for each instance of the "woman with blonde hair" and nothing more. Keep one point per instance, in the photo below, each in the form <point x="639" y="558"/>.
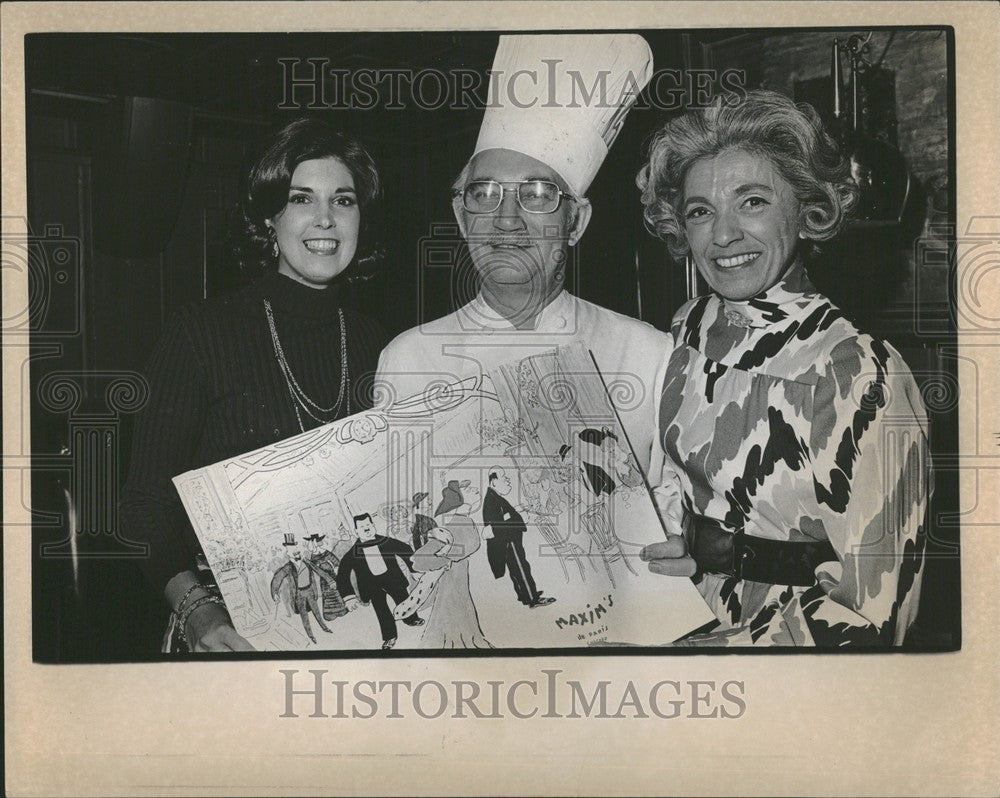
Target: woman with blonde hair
<point x="794" y="473"/>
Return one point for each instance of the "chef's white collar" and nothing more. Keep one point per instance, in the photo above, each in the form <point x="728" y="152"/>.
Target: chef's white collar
<point x="554" y="317"/>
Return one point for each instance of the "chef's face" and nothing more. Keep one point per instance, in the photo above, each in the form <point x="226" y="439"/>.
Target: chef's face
<point x="520" y="257"/>
<point x="317" y="230"/>
<point x="742" y="223"/>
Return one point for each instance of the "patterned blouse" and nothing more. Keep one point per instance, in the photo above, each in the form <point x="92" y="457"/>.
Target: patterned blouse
<point x="777" y="414"/>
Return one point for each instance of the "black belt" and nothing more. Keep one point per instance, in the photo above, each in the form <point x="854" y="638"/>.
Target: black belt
<point x="719" y="548"/>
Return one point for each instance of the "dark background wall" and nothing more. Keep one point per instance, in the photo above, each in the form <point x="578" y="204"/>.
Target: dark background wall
<point x="122" y="278"/>
<point x="909" y="109"/>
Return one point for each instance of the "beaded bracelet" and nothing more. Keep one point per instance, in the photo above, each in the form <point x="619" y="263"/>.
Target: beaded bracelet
<point x="183" y="617"/>
<point x="187" y="593"/>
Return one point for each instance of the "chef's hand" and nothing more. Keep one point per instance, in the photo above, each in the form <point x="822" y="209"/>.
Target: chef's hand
<point x="487" y="532"/>
<point x="669" y="557"/>
<point x="351" y="602"/>
<point x="209" y="628"/>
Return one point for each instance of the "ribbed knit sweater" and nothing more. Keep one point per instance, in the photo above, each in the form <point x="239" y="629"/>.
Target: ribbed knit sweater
<point x="216" y="390"/>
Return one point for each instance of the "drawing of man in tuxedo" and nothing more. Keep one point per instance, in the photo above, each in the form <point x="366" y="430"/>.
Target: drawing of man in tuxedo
<point x="504" y="528"/>
<point x="373" y="562"/>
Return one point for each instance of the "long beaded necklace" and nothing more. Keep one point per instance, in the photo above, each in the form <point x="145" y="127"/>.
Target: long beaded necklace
<point x="300" y="400"/>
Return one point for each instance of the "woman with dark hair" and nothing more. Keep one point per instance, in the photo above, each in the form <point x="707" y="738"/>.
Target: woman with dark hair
<point x="795" y="474"/>
<point x="281" y="356"/>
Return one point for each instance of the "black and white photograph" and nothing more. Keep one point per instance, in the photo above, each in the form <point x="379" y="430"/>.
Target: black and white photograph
<point x="327" y="229"/>
<point x="569" y="353"/>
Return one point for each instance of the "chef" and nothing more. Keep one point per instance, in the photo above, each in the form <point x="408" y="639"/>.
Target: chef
<point x="521" y="204"/>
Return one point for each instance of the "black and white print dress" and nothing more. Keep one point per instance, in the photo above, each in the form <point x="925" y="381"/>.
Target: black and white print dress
<point x="776" y="414"/>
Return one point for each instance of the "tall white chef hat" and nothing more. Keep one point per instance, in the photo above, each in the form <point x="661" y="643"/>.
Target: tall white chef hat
<point x="562" y="98"/>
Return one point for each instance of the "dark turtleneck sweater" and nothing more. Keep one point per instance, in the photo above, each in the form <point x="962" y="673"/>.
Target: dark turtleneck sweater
<point x="216" y="391"/>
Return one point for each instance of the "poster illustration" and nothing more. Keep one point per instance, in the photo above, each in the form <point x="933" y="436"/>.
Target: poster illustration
<point x="503" y="511"/>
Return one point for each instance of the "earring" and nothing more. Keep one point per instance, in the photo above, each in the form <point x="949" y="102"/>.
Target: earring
<point x="274" y="241"/>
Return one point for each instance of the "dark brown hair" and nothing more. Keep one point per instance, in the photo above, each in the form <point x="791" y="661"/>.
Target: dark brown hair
<point x="268" y="179"/>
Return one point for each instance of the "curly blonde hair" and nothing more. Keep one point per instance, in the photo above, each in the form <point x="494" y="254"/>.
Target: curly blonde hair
<point x="766" y="123"/>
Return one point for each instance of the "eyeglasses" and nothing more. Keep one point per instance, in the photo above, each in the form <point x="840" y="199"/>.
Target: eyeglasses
<point x="534" y="196"/>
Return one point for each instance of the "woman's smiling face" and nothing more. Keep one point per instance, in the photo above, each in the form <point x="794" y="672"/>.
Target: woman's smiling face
<point x="742" y="222"/>
<point x="317" y="230"/>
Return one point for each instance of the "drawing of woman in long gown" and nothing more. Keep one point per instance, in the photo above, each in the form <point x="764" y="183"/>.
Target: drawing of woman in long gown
<point x="443" y="563"/>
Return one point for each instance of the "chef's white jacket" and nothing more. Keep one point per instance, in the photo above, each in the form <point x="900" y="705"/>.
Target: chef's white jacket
<point x="475" y="339"/>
